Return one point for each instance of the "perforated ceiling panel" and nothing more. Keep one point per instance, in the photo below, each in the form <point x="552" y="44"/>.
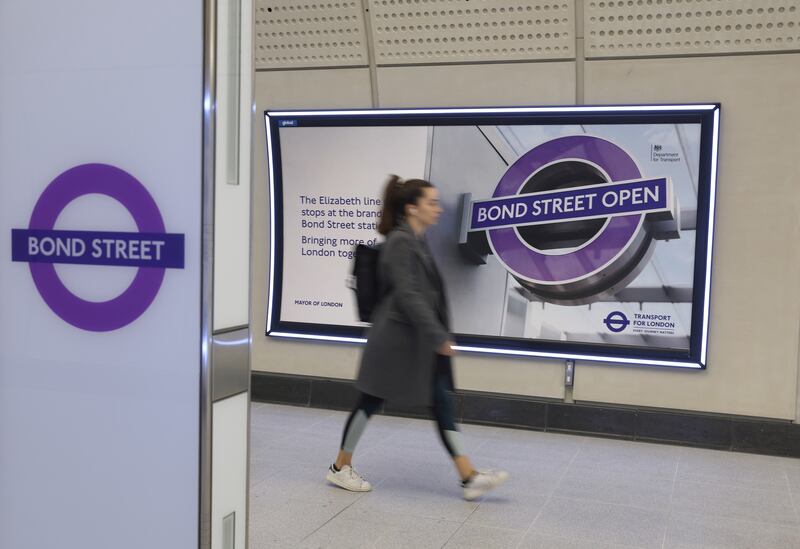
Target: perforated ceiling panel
<point x="454" y="31"/>
<point x="617" y="28"/>
<point x="304" y="33"/>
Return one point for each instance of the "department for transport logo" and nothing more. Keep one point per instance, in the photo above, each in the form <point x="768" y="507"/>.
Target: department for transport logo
<point x="616" y="321"/>
<point x="658" y="154"/>
<point x="574" y="218"/>
<point x="151" y="249"/>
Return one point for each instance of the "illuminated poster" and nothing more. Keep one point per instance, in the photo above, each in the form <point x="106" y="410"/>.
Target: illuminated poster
<point x="575" y="233"/>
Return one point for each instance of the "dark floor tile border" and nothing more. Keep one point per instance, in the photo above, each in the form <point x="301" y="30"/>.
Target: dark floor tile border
<point x="709" y="431"/>
<point x="282" y="389"/>
<point x="616" y="422"/>
<point x="392" y="409"/>
<point x="766" y="438"/>
<point x="497" y="410"/>
<point x="694" y="429"/>
<point x="334" y="394"/>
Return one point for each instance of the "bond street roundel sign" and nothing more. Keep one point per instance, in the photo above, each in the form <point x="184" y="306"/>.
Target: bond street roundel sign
<point x="151" y="249"/>
<point x="573" y="219"/>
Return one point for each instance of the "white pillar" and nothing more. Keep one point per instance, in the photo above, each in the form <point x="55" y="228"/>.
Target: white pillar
<point x="102" y="362"/>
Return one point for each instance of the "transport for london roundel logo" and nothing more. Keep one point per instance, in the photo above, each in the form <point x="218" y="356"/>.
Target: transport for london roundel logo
<point x="573" y="219"/>
<point x="616" y="321"/>
<point x="151" y="249"/>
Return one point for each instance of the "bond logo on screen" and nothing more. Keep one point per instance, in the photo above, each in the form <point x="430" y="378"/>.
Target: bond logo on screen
<point x="573" y="219"/>
<point x="151" y="249"/>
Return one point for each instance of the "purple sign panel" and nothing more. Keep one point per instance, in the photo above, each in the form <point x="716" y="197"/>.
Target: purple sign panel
<point x="98" y="248"/>
<point x="589" y="202"/>
<point x="152" y="249"/>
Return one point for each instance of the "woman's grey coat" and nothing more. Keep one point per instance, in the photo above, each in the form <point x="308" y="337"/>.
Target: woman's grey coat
<point x="409" y="325"/>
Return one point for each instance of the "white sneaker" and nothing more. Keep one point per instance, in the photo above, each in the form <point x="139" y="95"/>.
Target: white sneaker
<point x="348" y="479"/>
<point x="482" y="482"/>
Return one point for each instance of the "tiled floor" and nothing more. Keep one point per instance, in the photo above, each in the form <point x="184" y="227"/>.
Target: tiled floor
<point x="565" y="491"/>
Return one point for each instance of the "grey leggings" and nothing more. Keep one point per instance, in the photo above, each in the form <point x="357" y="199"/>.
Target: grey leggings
<point x="442" y="411"/>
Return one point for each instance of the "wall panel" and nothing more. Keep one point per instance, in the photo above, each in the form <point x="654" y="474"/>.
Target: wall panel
<point x="623" y="28"/>
<point x="100" y="395"/>
<point x="309" y="33"/>
<point x="454" y="31"/>
<point x="551" y="83"/>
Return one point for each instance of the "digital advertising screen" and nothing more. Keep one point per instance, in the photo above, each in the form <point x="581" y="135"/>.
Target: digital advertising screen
<point x="579" y="233"/>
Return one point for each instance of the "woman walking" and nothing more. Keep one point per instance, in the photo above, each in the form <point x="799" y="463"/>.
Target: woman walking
<point x="409" y="347"/>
